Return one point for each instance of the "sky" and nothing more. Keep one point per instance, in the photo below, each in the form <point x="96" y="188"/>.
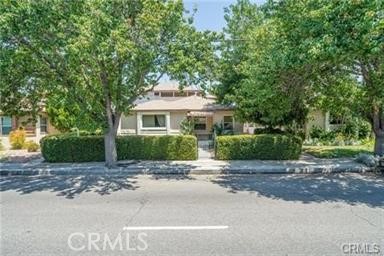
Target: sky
<point x="210" y="13"/>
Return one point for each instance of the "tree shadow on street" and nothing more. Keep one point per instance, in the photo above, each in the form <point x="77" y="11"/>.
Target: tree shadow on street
<point x="69" y="186"/>
<point x="344" y="188"/>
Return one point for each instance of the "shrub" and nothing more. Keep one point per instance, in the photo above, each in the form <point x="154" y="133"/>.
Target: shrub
<point x="69" y="148"/>
<point x="31" y="146"/>
<point x="322" y="135"/>
<point x="17" y="138"/>
<point x="157" y="147"/>
<point x="187" y="126"/>
<point x="268" y="131"/>
<point x="218" y="129"/>
<point x="263" y="147"/>
<point x="364" y="129"/>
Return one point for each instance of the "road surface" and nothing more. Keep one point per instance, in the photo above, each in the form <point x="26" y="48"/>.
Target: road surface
<point x="193" y="215"/>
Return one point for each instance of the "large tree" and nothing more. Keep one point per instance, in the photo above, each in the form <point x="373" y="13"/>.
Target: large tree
<point x="90" y="60"/>
<point x="346" y="38"/>
<point x="303" y="51"/>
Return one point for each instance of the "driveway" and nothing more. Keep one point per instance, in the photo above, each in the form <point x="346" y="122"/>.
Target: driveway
<point x="192" y="215"/>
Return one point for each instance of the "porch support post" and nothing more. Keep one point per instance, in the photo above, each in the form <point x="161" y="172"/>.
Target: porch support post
<point x="168" y="122"/>
<point x="37" y="128"/>
<point x="138" y="123"/>
<point x="326" y="121"/>
<point x="119" y="127"/>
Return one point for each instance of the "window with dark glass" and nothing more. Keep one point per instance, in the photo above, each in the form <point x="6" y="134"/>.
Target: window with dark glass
<point x="6" y="125"/>
<point x="166" y="94"/>
<point x="153" y="121"/>
<point x="43" y="124"/>
<point x="228" y="122"/>
<point x="200" y="123"/>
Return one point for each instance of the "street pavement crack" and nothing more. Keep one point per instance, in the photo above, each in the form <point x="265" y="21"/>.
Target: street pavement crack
<point x="143" y="201"/>
<point x="364" y="219"/>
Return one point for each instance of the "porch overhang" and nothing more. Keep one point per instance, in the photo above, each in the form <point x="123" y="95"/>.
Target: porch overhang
<point x="200" y="113"/>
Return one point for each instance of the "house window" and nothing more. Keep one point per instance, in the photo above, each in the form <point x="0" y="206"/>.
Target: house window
<point x="6" y="125"/>
<point x="200" y="123"/>
<point x="191" y="93"/>
<point x="156" y="93"/>
<point x="335" y="120"/>
<point x="180" y="94"/>
<point x="43" y="124"/>
<point x="153" y="121"/>
<point x="228" y="123"/>
<point x="166" y="94"/>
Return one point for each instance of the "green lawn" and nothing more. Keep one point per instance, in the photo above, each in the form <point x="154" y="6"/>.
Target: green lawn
<point x="337" y="151"/>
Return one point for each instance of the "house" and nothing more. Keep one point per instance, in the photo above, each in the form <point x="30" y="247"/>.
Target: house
<point x="160" y="112"/>
<point x="38" y="129"/>
<point x="163" y="109"/>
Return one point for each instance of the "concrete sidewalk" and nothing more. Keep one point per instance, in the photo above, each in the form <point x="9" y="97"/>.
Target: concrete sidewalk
<point x="206" y="166"/>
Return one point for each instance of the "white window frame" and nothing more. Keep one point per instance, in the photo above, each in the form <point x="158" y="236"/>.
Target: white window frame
<point x="233" y="123"/>
<point x="46" y="125"/>
<point x="140" y="122"/>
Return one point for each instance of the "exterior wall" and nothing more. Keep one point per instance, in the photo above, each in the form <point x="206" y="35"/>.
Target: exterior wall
<point x="128" y="124"/>
<point x="176" y="119"/>
<point x="317" y="118"/>
<point x="132" y="124"/>
<point x="218" y="117"/>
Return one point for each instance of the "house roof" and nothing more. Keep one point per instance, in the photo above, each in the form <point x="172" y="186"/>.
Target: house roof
<point x="173" y="86"/>
<point x="191" y="103"/>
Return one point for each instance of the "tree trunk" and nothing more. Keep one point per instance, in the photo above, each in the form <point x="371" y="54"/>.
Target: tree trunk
<point x="110" y="149"/>
<point x="379" y="144"/>
<point x="110" y="141"/>
<point x="378" y="129"/>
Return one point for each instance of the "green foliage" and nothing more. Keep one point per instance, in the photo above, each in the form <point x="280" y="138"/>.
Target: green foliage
<point x="321" y="134"/>
<point x="353" y="131"/>
<point x="157" y="147"/>
<point x="263" y="147"/>
<point x="70" y="148"/>
<point x="187" y="126"/>
<point x="31" y="146"/>
<point x="90" y="60"/>
<point x="286" y="56"/>
<point x="218" y="129"/>
<point x="338" y="151"/>
<point x="268" y="130"/>
<point x="365" y="129"/>
<point x="17" y="138"/>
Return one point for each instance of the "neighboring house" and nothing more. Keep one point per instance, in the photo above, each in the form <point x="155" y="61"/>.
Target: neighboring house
<point x="163" y="109"/>
<point x="37" y="129"/>
<point x="34" y="130"/>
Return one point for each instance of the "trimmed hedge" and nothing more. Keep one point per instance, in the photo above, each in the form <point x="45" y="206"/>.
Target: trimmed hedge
<point x="263" y="147"/>
<point x="69" y="148"/>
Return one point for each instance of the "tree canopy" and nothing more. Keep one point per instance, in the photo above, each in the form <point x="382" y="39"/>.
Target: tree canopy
<point x="297" y="55"/>
<point x="90" y="60"/>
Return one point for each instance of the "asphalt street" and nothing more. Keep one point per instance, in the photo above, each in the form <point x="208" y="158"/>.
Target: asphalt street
<point x="337" y="214"/>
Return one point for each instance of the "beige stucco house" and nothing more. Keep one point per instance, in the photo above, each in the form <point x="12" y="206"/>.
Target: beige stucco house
<point x="163" y="109"/>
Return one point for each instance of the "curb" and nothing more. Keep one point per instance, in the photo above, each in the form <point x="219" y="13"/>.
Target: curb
<point x="36" y="171"/>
